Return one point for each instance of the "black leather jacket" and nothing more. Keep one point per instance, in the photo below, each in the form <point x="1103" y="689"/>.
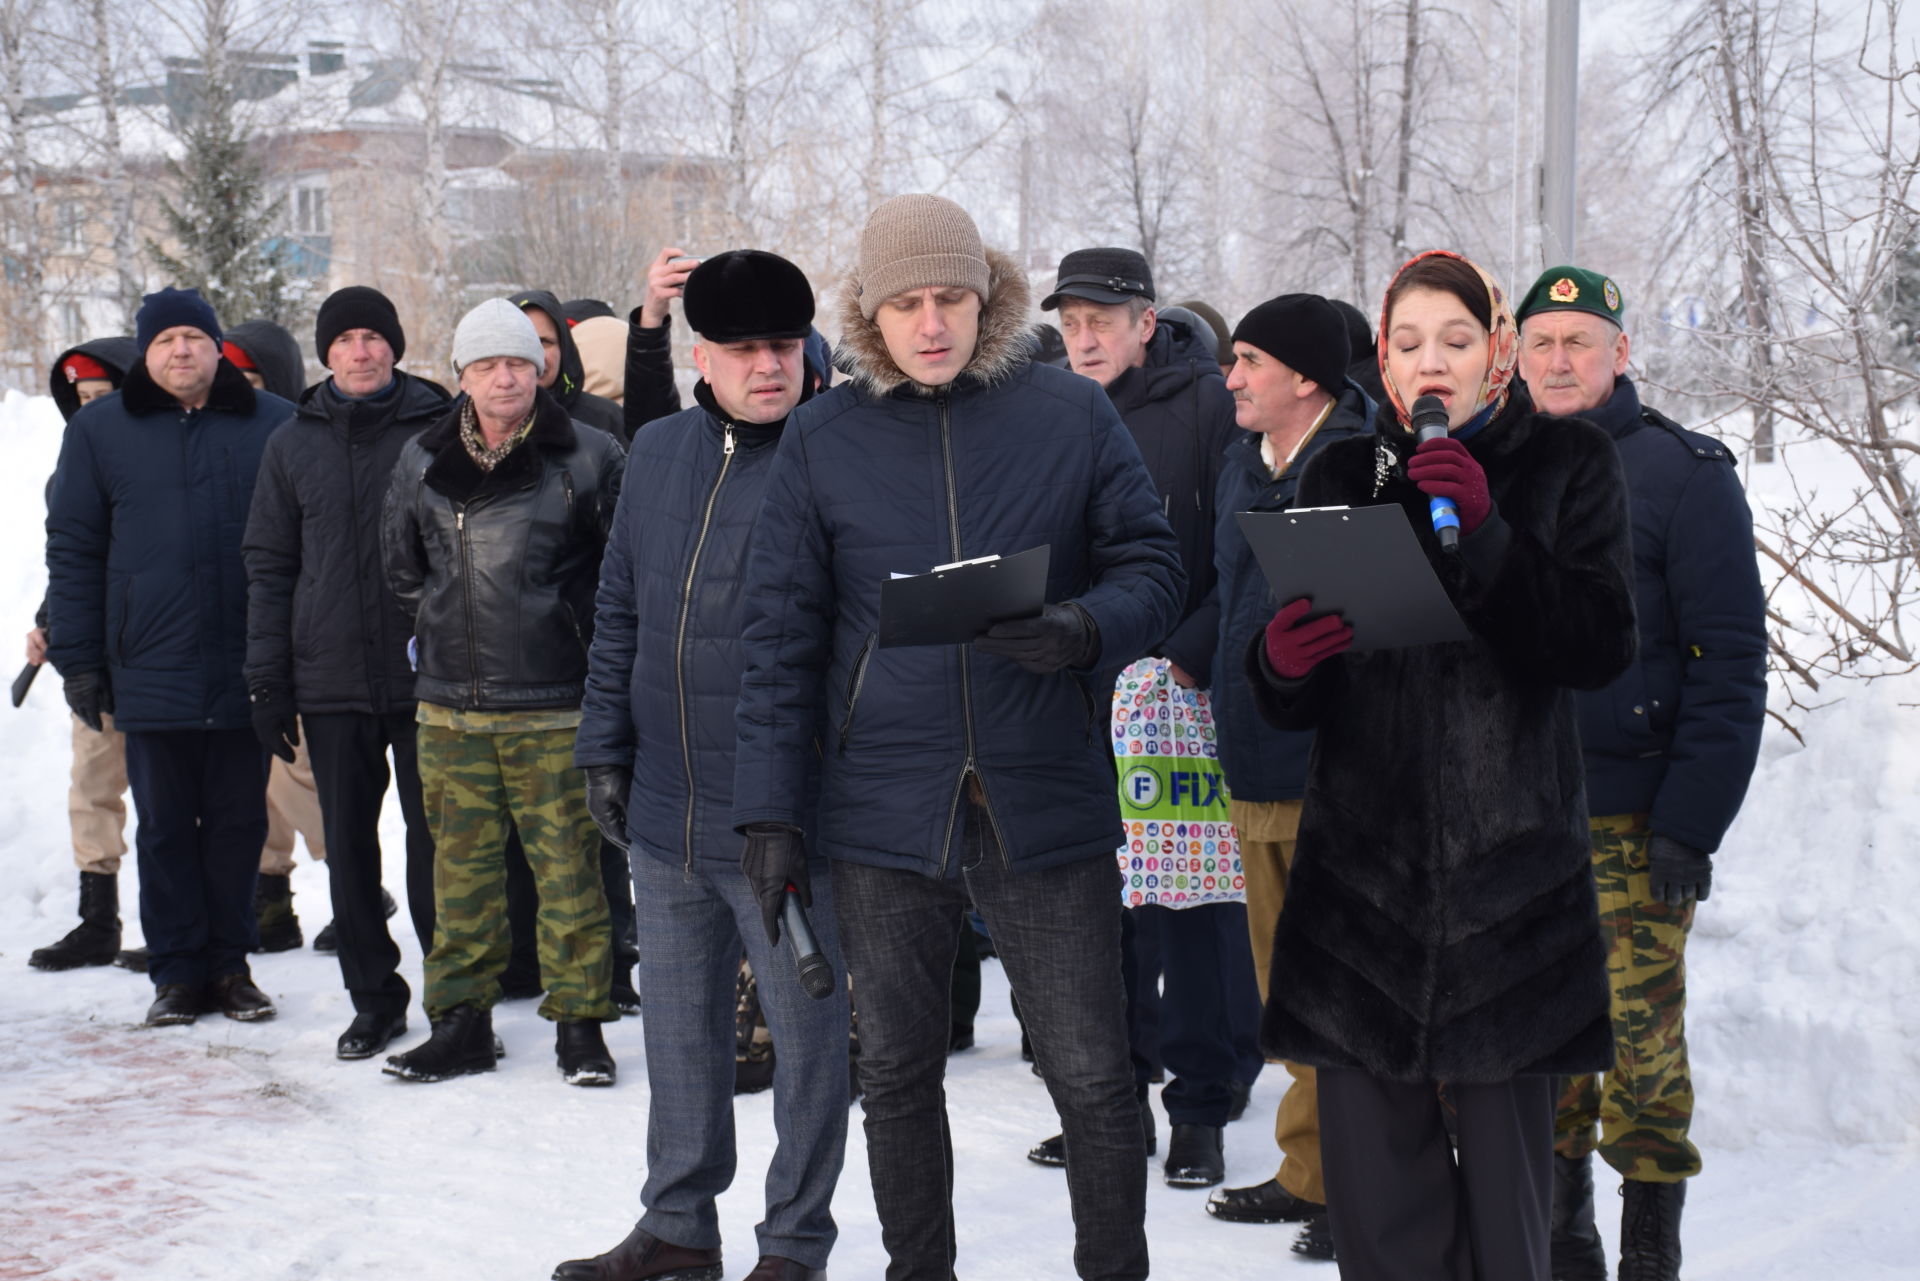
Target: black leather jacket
<point x="499" y="568"/>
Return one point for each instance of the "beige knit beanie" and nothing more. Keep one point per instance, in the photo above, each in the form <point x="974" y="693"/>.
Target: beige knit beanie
<point x="914" y="241"/>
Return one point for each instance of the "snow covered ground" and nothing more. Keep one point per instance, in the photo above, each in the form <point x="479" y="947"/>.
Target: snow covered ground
<point x="223" y="1150"/>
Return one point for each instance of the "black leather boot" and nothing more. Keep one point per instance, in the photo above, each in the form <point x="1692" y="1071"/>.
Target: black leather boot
<point x="1194" y="1157"/>
<point x="644" y="1257"/>
<point x="96" y="940"/>
<point x="1573" y="1242"/>
<point x="1650" y="1230"/>
<point x="462" y="1042"/>
<point x="273" y="908"/>
<point x="582" y="1053"/>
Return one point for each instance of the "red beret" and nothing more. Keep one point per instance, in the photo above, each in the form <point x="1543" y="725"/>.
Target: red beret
<point x="78" y="367"/>
<point x="240" y="359"/>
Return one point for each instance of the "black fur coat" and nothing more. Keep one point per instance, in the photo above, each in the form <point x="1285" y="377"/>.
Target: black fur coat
<point x="1440" y="922"/>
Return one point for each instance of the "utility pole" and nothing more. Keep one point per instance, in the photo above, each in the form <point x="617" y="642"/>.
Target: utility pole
<point x="1559" y="139"/>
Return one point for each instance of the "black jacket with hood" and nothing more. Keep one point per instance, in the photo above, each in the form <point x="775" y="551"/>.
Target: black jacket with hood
<point x="881" y="476"/>
<point x="1441" y="921"/>
<point x="275" y="354"/>
<point x="497" y="569"/>
<point x="570" y="387"/>
<point x="1180" y="413"/>
<point x="118" y="355"/>
<point x="321" y="620"/>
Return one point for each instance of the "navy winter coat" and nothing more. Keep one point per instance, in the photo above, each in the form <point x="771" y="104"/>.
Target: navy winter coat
<point x="143" y="548"/>
<point x="663" y="678"/>
<point x="1678" y="734"/>
<point x="883" y="476"/>
<point x="321" y="620"/>
<point x="1261" y="763"/>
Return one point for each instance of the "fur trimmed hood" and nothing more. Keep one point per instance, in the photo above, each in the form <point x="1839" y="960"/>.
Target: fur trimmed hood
<point x="1005" y="343"/>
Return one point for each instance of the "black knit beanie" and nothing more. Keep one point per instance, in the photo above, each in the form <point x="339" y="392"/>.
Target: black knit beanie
<point x="1304" y="332"/>
<point x="357" y="307"/>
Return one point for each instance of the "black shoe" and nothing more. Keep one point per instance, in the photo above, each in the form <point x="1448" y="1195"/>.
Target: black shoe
<point x="751" y="1076"/>
<point x="1053" y="1152"/>
<point x="626" y="998"/>
<point x="644" y="1257"/>
<point x="273" y="909"/>
<point x="369" y="1034"/>
<point x="1242" y="1091"/>
<point x="1262" y="1203"/>
<point x="1315" y="1240"/>
<point x="1573" y="1242"/>
<point x="462" y="1042"/>
<point x="132" y="958"/>
<point x="97" y="938"/>
<point x="327" y="940"/>
<point x="1194" y="1157"/>
<point x="582" y="1053"/>
<point x="959" y="1038"/>
<point x="1650" y="1230"/>
<point x="174" y="1003"/>
<point x="235" y="996"/>
<point x="772" y="1267"/>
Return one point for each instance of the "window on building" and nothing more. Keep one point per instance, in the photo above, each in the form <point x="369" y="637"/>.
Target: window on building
<point x="72" y="323"/>
<point x="309" y="208"/>
<point x="69" y="226"/>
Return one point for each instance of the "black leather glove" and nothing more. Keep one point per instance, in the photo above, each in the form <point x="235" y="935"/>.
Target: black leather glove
<point x="274" y="721"/>
<point x="1062" y="636"/>
<point x="1678" y="874"/>
<point x="607" y="790"/>
<point x="89" y="694"/>
<point x="773" y="859"/>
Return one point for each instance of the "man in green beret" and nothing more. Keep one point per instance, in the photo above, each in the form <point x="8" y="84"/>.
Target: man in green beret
<point x="1669" y="747"/>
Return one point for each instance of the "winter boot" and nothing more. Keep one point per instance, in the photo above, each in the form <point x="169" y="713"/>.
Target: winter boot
<point x="132" y="958"/>
<point x="97" y="938"/>
<point x="1263" y="1203"/>
<point x="328" y="939"/>
<point x="1315" y="1240"/>
<point x="1194" y="1157"/>
<point x="236" y="996"/>
<point x="644" y="1257"/>
<point x="582" y="1053"/>
<point x="462" y="1042"/>
<point x="1053" y="1151"/>
<point x="273" y="907"/>
<point x="174" y="1003"/>
<point x="1572" y="1239"/>
<point x="1650" y="1230"/>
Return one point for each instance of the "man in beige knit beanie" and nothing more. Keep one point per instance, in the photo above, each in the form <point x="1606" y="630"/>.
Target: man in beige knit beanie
<point x="949" y="773"/>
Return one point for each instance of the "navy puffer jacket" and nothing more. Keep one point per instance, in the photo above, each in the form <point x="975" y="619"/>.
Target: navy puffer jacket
<point x="883" y="476"/>
<point x="1261" y="763"/>
<point x="663" y="677"/>
<point x="144" y="577"/>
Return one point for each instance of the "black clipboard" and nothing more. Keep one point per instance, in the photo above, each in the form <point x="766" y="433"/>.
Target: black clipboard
<point x="952" y="606"/>
<point x="1364" y="563"/>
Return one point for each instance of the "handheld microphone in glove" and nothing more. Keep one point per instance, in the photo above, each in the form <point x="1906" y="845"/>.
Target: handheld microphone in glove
<point x="816" y="976"/>
<point x="1430" y="423"/>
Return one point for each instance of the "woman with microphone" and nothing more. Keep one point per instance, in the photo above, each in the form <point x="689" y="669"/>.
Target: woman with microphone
<point x="1440" y="949"/>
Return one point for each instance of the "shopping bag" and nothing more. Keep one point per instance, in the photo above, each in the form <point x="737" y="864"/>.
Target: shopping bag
<point x="1181" y="849"/>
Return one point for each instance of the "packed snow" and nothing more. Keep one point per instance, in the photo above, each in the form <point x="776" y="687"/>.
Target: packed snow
<point x="231" y="1150"/>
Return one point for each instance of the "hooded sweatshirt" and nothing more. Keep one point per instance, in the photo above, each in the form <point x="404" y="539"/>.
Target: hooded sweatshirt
<point x="570" y="388"/>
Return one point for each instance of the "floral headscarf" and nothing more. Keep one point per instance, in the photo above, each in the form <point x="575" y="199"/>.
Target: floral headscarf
<point x="1503" y="344"/>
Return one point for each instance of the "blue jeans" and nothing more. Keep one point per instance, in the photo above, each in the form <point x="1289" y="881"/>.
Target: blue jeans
<point x="201" y="798"/>
<point x="1058" y="934"/>
<point x="692" y="929"/>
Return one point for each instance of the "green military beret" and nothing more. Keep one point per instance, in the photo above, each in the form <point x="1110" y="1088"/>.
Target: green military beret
<point x="1572" y="289"/>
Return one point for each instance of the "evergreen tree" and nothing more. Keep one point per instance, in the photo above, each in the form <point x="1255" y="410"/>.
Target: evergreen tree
<point x="1902" y="301"/>
<point x="222" y="220"/>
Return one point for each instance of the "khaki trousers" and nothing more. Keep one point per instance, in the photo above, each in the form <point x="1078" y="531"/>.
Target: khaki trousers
<point x="292" y="806"/>
<point x="1267" y="831"/>
<point x="96" y="791"/>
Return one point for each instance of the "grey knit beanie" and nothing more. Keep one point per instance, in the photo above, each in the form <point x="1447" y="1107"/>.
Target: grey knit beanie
<point x="496" y="328"/>
<point x="914" y="241"/>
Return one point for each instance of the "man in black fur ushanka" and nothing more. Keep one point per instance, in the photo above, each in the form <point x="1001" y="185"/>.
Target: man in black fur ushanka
<point x="950" y="772"/>
<point x="1440" y="924"/>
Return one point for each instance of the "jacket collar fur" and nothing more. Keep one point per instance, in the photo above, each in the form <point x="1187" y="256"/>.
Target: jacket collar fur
<point x="1005" y="341"/>
<point x="231" y="393"/>
<point x="453" y="473"/>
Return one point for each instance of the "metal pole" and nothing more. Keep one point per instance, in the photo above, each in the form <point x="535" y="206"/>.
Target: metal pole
<point x="1560" y="137"/>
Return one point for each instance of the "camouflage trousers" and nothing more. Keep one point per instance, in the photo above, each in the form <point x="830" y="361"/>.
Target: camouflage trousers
<point x="1638" y="1111"/>
<point x="474" y="785"/>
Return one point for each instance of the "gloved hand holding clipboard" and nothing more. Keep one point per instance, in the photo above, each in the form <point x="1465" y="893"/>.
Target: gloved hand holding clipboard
<point x="1362" y="563"/>
<point x="955" y="603"/>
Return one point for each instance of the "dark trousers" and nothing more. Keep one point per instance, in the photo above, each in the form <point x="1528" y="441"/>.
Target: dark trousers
<point x="1201" y="1011"/>
<point x="349" y="755"/>
<point x="201" y="799"/>
<point x="1405" y="1207"/>
<point x="1058" y="935"/>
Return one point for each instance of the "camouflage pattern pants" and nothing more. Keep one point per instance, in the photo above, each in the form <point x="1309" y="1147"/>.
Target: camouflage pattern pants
<point x="474" y="785"/>
<point x="1639" y="1111"/>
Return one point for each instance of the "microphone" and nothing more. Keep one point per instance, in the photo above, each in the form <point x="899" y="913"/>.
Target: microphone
<point x="1430" y="423"/>
<point x="816" y="976"/>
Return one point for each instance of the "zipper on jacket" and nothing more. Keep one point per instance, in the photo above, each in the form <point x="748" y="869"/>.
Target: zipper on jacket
<point x="853" y="687"/>
<point x="967" y="767"/>
<point x="466" y="599"/>
<point x="680" y="633"/>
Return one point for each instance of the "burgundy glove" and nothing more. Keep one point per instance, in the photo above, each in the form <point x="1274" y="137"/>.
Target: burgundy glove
<point x="1444" y="469"/>
<point x="1294" y="647"/>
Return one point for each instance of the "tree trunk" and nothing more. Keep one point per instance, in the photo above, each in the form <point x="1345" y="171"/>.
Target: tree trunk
<point x="29" y="320"/>
<point x="126" y="276"/>
<point x="1403" y="170"/>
